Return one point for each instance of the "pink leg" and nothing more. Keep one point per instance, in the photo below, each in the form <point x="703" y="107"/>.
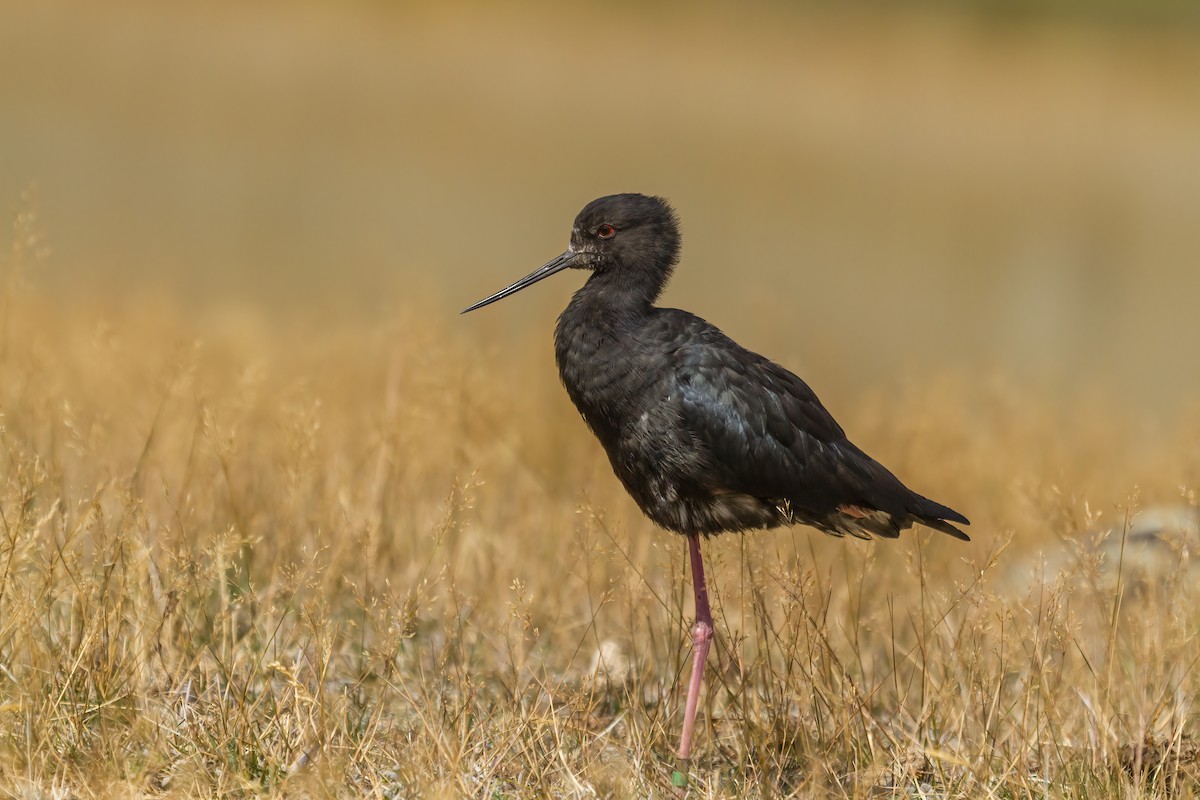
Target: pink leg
<point x="702" y="634"/>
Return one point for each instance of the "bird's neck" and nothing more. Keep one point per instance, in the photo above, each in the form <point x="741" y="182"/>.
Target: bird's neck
<point x="623" y="293"/>
<point x="594" y="340"/>
<point x="600" y="325"/>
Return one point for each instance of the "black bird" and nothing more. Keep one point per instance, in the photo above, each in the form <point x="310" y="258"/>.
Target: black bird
<point x="706" y="435"/>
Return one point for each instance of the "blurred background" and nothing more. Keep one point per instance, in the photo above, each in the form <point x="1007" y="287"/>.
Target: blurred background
<point x="868" y="192"/>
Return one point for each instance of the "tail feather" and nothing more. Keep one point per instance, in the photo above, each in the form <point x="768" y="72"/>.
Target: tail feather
<point x="937" y="516"/>
<point x="944" y="527"/>
<point x="864" y="522"/>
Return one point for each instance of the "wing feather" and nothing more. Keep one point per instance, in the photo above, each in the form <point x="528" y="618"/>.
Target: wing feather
<point x="768" y="435"/>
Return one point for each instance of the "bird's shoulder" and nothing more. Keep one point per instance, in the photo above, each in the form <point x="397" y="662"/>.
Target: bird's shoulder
<point x="725" y="387"/>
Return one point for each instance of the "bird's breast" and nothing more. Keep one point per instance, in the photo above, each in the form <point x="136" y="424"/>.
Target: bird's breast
<point x="605" y="371"/>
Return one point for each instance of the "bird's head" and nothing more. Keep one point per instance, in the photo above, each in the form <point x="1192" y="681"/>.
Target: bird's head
<point x="626" y="231"/>
<point x="633" y="236"/>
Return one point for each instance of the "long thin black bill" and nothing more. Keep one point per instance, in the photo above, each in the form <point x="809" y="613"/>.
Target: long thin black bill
<point x="567" y="259"/>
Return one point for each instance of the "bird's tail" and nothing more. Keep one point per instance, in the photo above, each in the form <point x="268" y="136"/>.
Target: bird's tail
<point x="937" y="516"/>
<point x="864" y="522"/>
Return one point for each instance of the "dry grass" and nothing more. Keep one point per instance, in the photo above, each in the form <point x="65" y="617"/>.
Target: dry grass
<point x="243" y="559"/>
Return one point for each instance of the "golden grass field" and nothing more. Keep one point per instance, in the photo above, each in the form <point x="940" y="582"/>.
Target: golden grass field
<point x="382" y="560"/>
<point x="275" y="521"/>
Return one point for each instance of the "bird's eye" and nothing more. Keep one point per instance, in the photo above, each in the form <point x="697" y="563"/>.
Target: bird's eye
<point x="606" y="231"/>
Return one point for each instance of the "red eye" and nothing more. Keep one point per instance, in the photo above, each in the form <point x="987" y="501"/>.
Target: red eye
<point x="606" y="231"/>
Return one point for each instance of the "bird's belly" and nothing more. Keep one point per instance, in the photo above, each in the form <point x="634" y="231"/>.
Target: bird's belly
<point x="697" y="510"/>
<point x="659" y="465"/>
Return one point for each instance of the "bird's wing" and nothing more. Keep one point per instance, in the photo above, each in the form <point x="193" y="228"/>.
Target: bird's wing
<point x="766" y="434"/>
